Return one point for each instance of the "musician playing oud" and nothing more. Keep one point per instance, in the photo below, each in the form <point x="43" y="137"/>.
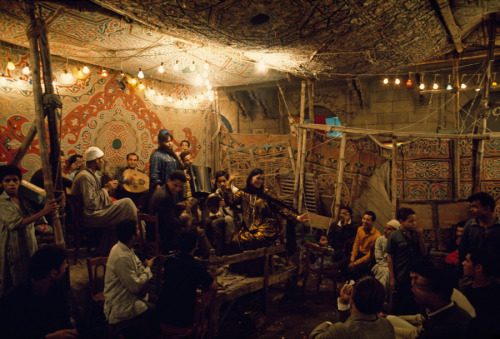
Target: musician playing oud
<point x="133" y="183"/>
<point x="260" y="224"/>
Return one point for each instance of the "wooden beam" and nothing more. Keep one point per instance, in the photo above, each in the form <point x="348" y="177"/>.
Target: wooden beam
<point x="456" y="170"/>
<point x="28" y="139"/>
<point x="394" y="165"/>
<point x="387" y="133"/>
<point x="449" y="21"/>
<point x="299" y="144"/>
<point x="340" y="175"/>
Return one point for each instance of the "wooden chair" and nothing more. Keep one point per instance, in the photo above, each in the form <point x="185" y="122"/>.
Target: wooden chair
<point x="202" y="319"/>
<point x="97" y="271"/>
<point x="320" y="271"/>
<point x="148" y="248"/>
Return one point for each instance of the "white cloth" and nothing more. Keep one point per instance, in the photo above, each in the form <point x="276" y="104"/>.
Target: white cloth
<point x="381" y="269"/>
<point x="98" y="208"/>
<point x="123" y="284"/>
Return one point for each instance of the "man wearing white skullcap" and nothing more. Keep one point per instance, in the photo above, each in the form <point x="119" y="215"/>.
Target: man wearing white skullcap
<point x="98" y="209"/>
<point x="381" y="270"/>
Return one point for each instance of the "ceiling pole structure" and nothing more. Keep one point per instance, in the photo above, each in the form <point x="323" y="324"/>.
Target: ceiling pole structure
<point x="32" y="32"/>
<point x="298" y="174"/>
<point x="484" y="105"/>
<point x="28" y="139"/>
<point x="394" y="169"/>
<point x="340" y="176"/>
<point x="449" y="21"/>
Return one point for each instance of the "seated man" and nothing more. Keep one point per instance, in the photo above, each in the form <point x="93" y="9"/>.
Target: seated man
<point x="173" y="217"/>
<point x="183" y="276"/>
<point x="75" y="163"/>
<point x="365" y="301"/>
<point x="443" y="318"/>
<point x="220" y="223"/>
<point x="37" y="177"/>
<point x="121" y="192"/>
<point x="125" y="281"/>
<point x="484" y="292"/>
<point x="362" y="247"/>
<point x="38" y="308"/>
<point x="380" y="269"/>
<point x="98" y="208"/>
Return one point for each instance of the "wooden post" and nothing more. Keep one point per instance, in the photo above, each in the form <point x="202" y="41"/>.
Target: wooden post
<point x="301" y="170"/>
<point x="394" y="167"/>
<point x="340" y="175"/>
<point x="28" y="139"/>
<point x="310" y="101"/>
<point x="40" y="120"/>
<point x="456" y="169"/>
<point x="300" y="145"/>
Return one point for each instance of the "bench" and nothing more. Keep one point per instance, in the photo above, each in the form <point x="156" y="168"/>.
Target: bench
<point x="233" y="285"/>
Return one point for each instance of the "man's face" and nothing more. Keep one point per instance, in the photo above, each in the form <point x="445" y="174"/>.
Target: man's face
<point x="477" y="210"/>
<point x="367" y="222"/>
<point x="410" y="223"/>
<point x="132" y="161"/>
<point x="420" y="289"/>
<point x="100" y="162"/>
<point x="388" y="230"/>
<point x="222" y="182"/>
<point x="468" y="266"/>
<point x="10" y="184"/>
<point x="345" y="216"/>
<point x="62" y="270"/>
<point x="62" y="160"/>
<point x="79" y="163"/>
<point x="188" y="160"/>
<point x="175" y="186"/>
<point x="323" y="241"/>
<point x="184" y="146"/>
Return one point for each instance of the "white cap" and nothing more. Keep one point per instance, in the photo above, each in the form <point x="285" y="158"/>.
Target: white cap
<point x="394" y="223"/>
<point x="93" y="153"/>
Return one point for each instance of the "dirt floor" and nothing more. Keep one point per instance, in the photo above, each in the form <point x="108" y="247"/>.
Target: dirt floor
<point x="290" y="314"/>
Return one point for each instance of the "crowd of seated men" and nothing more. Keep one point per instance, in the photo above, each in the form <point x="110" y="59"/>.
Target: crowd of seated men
<point x="397" y="260"/>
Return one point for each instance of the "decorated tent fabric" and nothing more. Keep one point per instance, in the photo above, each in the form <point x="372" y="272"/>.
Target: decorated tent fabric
<point x="362" y="156"/>
<point x="103" y="112"/>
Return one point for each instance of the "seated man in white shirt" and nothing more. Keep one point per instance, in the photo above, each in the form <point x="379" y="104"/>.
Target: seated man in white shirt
<point x="124" y="285"/>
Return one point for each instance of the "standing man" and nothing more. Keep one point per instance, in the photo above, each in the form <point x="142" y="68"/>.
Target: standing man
<point x="363" y="246"/>
<point x="341" y="236"/>
<point x="98" y="209"/>
<point x="125" y="281"/>
<point x="405" y="248"/>
<point x="187" y="161"/>
<point x="380" y="269"/>
<point x="483" y="230"/>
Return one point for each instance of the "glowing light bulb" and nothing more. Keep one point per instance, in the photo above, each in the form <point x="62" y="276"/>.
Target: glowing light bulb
<point x="494" y="83"/>
<point x="397" y="81"/>
<point x="104" y="73"/>
<point x="176" y="65"/>
<point x="67" y="78"/>
<point x="3" y="81"/>
<point x="26" y="70"/>
<point x="86" y="70"/>
<point x="205" y="66"/>
<point x="11" y="66"/>
<point x="140" y="75"/>
<point x="141" y="86"/>
<point x="449" y="88"/>
<point x="386" y="81"/>
<point x="463" y="86"/>
<point x="192" y="68"/>
<point x="132" y="81"/>
<point x="422" y="86"/>
<point x="261" y="66"/>
<point x="409" y="83"/>
<point x="198" y="80"/>
<point x="161" y="69"/>
<point x="478" y="89"/>
<point x="80" y="74"/>
<point x="435" y="86"/>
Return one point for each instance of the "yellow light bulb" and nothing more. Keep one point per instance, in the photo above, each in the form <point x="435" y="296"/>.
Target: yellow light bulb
<point x="86" y="70"/>
<point x="26" y="70"/>
<point x="11" y="66"/>
<point x="386" y="81"/>
<point x="161" y="69"/>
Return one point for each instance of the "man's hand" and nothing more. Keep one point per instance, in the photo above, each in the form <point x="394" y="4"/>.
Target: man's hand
<point x="68" y="333"/>
<point x="111" y="185"/>
<point x="149" y="262"/>
<point x="345" y="294"/>
<point x="352" y="264"/>
<point x="50" y="206"/>
<point x="303" y="218"/>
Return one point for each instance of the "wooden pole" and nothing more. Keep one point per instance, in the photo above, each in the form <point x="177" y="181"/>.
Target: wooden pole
<point x="394" y="167"/>
<point x="340" y="175"/>
<point x="299" y="144"/>
<point x="301" y="170"/>
<point x="456" y="170"/>
<point x="40" y="120"/>
<point x="28" y="139"/>
<point x="310" y="101"/>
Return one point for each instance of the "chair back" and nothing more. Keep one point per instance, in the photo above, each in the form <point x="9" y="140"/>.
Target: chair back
<point x="149" y="248"/>
<point x="97" y="271"/>
<point x="203" y="313"/>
